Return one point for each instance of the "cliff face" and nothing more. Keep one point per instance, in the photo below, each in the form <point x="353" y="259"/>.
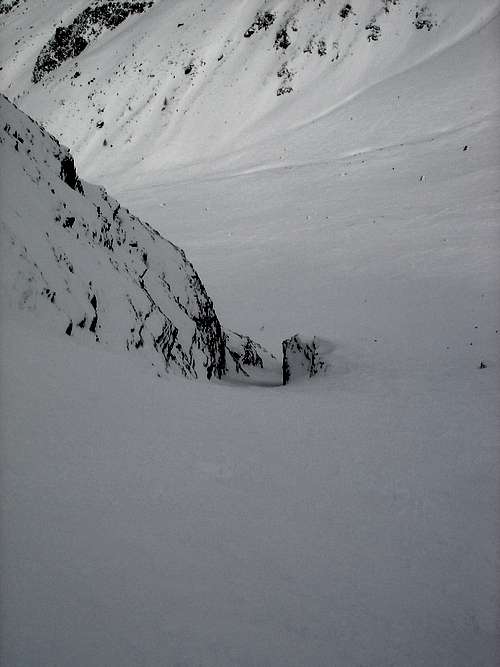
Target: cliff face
<point x="87" y="268"/>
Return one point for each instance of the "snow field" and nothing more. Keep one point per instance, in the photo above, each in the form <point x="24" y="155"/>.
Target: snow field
<point x="345" y="521"/>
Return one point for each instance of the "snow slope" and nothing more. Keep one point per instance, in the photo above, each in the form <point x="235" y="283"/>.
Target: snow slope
<point x="180" y="82"/>
<point x="149" y="521"/>
<point x="347" y="521"/>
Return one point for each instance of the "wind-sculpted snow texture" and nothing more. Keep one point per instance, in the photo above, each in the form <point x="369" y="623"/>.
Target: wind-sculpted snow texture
<point x="90" y="269"/>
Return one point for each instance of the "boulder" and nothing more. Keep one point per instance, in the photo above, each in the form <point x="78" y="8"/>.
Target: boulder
<point x="301" y="358"/>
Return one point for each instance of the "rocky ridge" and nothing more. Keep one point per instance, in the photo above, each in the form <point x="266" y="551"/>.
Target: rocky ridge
<point x="87" y="268"/>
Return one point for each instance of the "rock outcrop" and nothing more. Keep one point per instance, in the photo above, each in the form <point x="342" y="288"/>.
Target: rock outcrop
<point x="301" y="358"/>
<point x="8" y="5"/>
<point x="86" y="267"/>
<point x="247" y="355"/>
<point x="69" y="41"/>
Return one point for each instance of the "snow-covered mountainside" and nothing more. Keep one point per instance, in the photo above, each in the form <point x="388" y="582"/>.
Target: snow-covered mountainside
<point x="347" y="520"/>
<point x="87" y="267"/>
<point x="151" y="85"/>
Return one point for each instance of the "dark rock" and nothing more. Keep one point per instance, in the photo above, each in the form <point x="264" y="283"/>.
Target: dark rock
<point x="8" y="5"/>
<point x="68" y="173"/>
<point x="374" y="31"/>
<point x="387" y="4"/>
<point x="282" y="40"/>
<point x="423" y="18"/>
<point x="251" y="356"/>
<point x="286" y="77"/>
<point x="301" y="358"/>
<point x="345" y="11"/>
<point x="247" y="354"/>
<point x="69" y="41"/>
<point x="262" y="21"/>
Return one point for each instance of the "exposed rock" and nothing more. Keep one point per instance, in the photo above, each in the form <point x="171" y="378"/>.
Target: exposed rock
<point x="286" y="76"/>
<point x="94" y="264"/>
<point x="68" y="174"/>
<point x="424" y="18"/>
<point x="282" y="40"/>
<point x="388" y="3"/>
<point x="8" y="5"/>
<point x="69" y="41"/>
<point x="345" y="11"/>
<point x="262" y="21"/>
<point x="373" y="31"/>
<point x="321" y="47"/>
<point x="301" y="358"/>
<point x="247" y="356"/>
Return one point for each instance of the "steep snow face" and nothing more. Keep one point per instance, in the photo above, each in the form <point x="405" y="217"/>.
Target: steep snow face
<point x="89" y="269"/>
<point x="147" y="86"/>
